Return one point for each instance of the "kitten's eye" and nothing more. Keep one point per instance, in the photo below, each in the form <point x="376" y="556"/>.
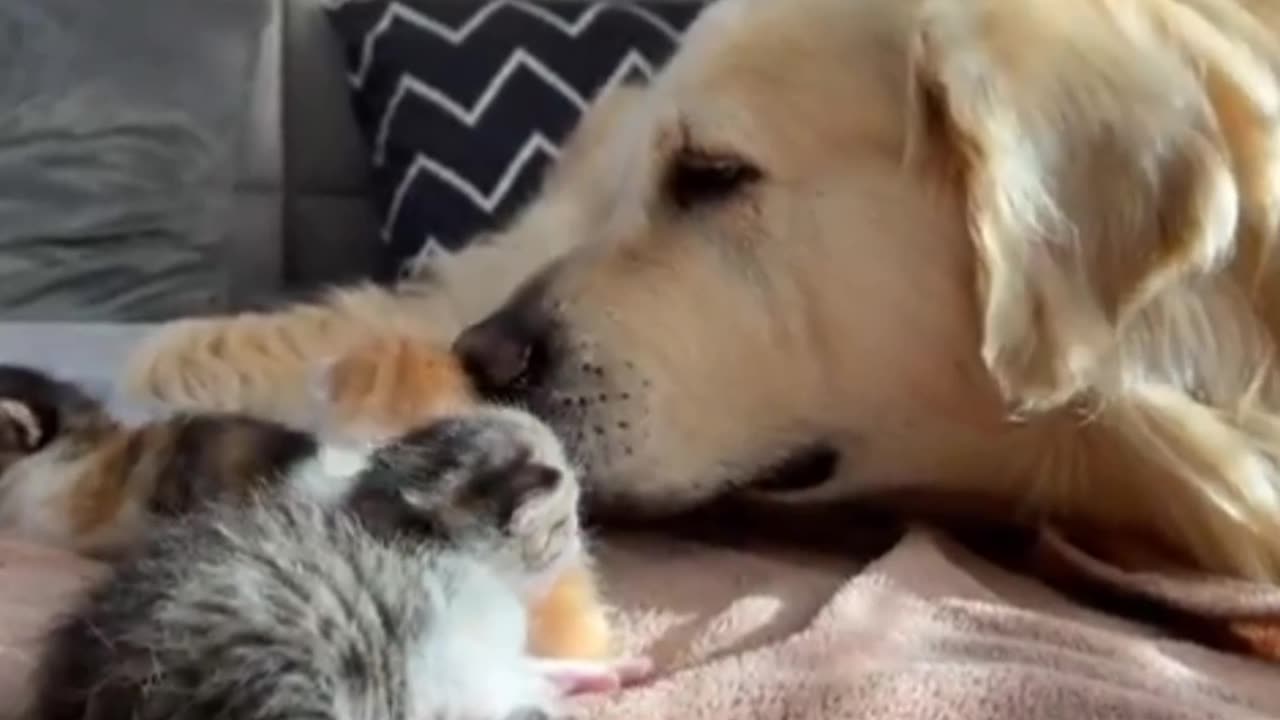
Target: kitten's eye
<point x="698" y="177"/>
<point x="526" y="486"/>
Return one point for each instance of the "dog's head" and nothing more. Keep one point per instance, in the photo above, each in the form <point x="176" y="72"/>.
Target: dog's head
<point x="870" y="239"/>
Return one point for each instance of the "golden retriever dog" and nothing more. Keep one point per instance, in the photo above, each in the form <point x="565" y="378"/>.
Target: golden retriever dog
<point x="1017" y="251"/>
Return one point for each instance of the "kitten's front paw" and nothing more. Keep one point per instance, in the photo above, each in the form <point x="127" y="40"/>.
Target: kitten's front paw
<point x="632" y="670"/>
<point x="581" y="677"/>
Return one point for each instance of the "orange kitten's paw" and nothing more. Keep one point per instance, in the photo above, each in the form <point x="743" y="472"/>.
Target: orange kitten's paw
<point x="189" y="364"/>
<point x="571" y="621"/>
<point x="392" y="384"/>
<point x="253" y="363"/>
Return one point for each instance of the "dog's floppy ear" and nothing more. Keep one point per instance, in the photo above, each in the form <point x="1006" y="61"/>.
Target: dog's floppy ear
<point x="1094" y="164"/>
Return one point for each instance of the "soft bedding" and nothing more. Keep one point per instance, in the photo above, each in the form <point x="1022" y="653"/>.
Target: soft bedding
<point x="926" y="630"/>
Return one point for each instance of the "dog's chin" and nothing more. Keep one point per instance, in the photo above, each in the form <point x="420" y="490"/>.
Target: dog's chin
<point x="805" y="469"/>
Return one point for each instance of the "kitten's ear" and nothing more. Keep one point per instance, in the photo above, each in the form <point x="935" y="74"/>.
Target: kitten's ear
<point x="1087" y="142"/>
<point x="20" y="430"/>
<point x="527" y="487"/>
<point x="534" y="480"/>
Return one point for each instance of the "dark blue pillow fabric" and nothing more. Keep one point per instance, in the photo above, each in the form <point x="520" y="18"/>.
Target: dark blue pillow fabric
<point x="464" y="103"/>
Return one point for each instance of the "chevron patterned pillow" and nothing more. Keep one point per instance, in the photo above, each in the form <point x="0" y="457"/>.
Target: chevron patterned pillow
<point x="464" y="102"/>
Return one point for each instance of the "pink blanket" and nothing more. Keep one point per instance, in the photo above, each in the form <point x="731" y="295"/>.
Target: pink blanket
<point x="926" y="631"/>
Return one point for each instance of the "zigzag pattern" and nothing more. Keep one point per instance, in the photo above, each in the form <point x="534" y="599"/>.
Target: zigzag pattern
<point x="464" y="103"/>
<point x="456" y="34"/>
<point x="411" y="88"/>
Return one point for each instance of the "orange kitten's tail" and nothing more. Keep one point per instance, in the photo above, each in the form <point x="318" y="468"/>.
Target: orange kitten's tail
<point x="571" y="621"/>
<point x="265" y="363"/>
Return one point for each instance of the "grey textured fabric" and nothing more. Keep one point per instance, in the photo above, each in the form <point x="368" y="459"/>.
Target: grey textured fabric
<point x="303" y="215"/>
<point x="118" y="126"/>
<point x="254" y="252"/>
<point x="331" y="229"/>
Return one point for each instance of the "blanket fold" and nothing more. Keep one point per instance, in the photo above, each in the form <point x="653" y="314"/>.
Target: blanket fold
<point x="926" y="631"/>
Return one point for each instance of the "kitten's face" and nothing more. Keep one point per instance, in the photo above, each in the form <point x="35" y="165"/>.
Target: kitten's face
<point x="495" y="479"/>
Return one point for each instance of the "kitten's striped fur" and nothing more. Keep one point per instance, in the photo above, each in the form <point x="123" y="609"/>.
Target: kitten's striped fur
<point x="290" y="610"/>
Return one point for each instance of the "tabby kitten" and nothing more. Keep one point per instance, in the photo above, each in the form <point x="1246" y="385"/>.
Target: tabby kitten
<point x="71" y="476"/>
<point x="406" y="601"/>
<point x="387" y="386"/>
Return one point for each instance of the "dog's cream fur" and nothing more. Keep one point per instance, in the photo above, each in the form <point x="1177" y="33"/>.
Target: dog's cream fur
<point x="1018" y="250"/>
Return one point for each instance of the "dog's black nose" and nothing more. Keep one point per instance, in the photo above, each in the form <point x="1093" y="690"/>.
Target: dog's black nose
<point x="503" y="354"/>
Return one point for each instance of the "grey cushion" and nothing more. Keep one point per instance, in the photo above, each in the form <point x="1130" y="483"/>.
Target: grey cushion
<point x="119" y="125"/>
<point x="254" y="254"/>
<point x="303" y="216"/>
<point x="330" y="228"/>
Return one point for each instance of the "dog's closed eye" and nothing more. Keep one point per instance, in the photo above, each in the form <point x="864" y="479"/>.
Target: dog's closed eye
<point x="698" y="177"/>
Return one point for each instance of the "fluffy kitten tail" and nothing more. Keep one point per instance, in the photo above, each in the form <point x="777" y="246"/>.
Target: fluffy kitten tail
<point x="571" y="621"/>
<point x="265" y="363"/>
